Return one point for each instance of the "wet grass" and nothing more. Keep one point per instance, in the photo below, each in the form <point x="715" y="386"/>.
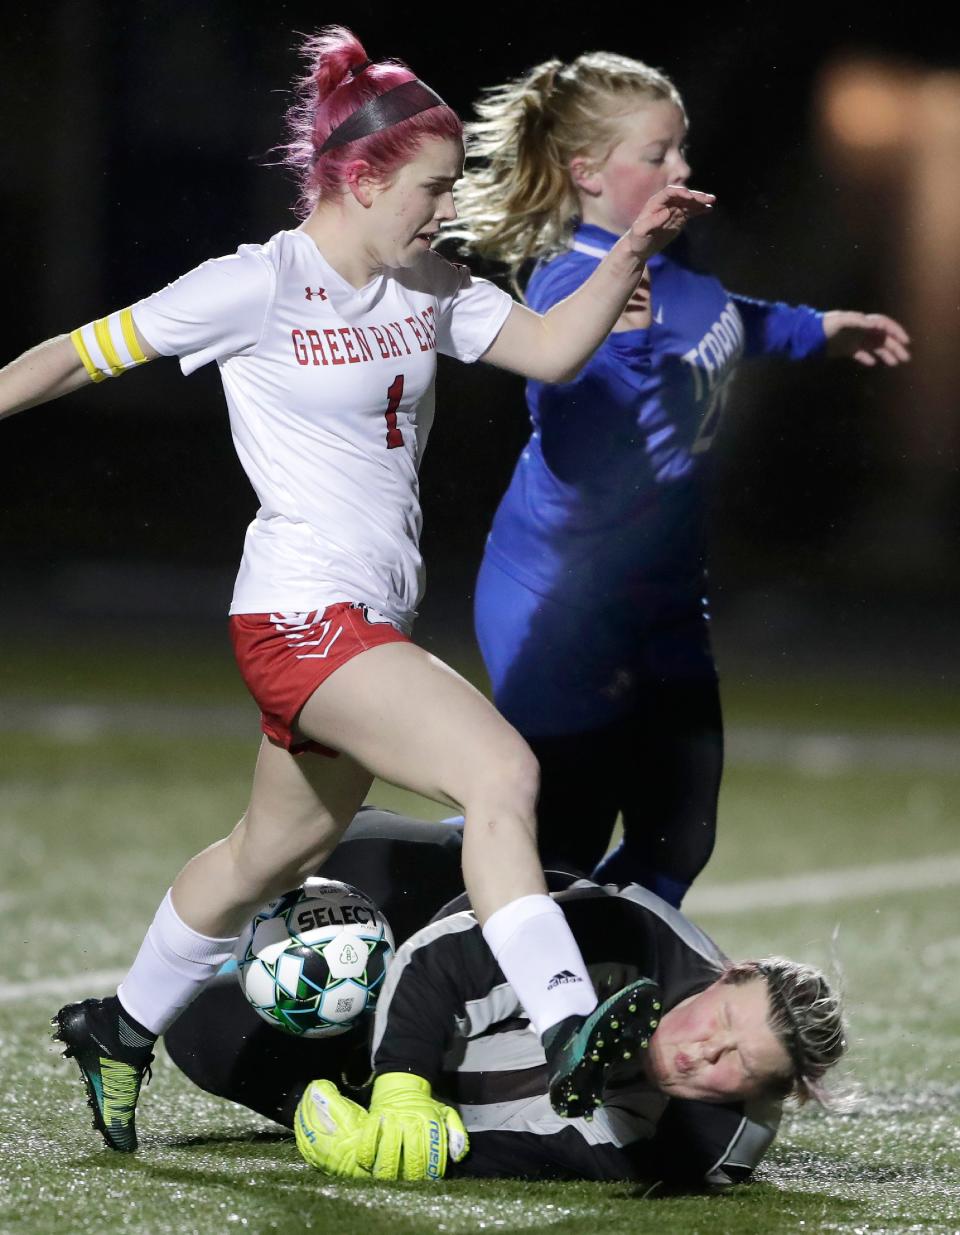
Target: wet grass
<point x="93" y="825"/>
<point x="204" y="1167"/>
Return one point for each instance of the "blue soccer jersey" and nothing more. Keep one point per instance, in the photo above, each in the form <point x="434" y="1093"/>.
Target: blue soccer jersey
<point x="606" y="503"/>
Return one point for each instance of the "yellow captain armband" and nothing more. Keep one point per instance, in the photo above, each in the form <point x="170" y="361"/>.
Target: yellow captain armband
<point x="108" y="347"/>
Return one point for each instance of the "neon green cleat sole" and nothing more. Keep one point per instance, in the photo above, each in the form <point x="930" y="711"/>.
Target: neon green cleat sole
<point x="617" y="1030"/>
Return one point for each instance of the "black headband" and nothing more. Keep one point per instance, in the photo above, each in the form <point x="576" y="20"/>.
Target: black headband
<point x="399" y="103"/>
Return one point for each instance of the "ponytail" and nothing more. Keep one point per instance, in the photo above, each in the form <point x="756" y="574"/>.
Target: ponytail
<point x="334" y="54"/>
<point x="517" y="200"/>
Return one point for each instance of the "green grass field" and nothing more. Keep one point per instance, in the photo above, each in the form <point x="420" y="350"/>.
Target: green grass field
<point x="115" y="771"/>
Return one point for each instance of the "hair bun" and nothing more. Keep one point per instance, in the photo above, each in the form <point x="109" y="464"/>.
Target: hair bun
<point x="335" y="55"/>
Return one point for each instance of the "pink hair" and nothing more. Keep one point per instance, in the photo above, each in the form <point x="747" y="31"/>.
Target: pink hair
<point x="328" y="94"/>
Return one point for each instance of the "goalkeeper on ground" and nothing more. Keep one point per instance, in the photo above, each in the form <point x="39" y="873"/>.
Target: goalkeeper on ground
<point x="459" y="1079"/>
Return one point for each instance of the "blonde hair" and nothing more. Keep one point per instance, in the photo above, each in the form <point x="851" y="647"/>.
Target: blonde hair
<point x="518" y="200"/>
<point x="806" y="1014"/>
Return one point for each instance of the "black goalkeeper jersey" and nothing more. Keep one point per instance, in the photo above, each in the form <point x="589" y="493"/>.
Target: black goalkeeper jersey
<point x="447" y="1013"/>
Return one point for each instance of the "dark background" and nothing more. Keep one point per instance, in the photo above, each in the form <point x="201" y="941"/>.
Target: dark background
<point x="136" y="143"/>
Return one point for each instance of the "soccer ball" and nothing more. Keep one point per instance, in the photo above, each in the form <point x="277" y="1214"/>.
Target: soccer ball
<point x="313" y="960"/>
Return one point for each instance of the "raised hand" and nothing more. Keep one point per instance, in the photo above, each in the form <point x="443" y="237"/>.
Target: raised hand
<point x="866" y="338"/>
<point x="663" y="218"/>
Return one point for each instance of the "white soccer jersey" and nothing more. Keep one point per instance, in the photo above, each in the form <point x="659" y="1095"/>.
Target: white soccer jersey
<point x="330" y="393"/>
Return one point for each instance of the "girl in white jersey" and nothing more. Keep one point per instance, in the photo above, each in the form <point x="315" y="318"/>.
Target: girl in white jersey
<point x="326" y="340"/>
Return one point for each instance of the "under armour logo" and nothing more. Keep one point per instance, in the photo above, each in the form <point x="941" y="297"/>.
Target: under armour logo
<point x="309" y="293"/>
<point x="561" y="978"/>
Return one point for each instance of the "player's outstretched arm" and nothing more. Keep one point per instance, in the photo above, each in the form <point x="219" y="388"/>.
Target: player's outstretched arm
<point x="554" y="346"/>
<point x="59" y="365"/>
<point x="44" y="372"/>
<point x="867" y="338"/>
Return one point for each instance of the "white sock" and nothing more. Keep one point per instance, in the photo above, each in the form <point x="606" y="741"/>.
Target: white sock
<point x="173" y="965"/>
<point x="535" y="948"/>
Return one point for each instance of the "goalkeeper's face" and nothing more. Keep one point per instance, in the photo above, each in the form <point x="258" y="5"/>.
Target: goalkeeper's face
<point x="718" y="1046"/>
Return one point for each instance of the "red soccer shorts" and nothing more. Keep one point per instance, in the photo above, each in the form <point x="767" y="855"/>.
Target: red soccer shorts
<point x="284" y="657"/>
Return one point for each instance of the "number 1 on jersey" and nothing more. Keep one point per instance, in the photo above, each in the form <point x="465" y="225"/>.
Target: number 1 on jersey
<point x="394" y="395"/>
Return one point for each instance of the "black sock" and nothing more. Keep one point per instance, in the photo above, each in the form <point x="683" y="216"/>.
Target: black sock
<point x="130" y="1029"/>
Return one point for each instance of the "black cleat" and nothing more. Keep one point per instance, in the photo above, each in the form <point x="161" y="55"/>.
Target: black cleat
<point x="582" y="1050"/>
<point x="113" y="1057"/>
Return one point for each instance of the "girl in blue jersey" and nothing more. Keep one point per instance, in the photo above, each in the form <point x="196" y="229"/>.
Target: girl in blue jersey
<point x="590" y="608"/>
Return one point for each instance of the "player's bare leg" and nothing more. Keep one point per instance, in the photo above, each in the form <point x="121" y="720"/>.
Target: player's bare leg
<point x="299" y="807"/>
<point x="413" y="721"/>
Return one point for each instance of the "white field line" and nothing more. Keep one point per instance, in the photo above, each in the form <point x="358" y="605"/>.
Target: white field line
<point x="823" y="753"/>
<point x="813" y="752"/>
<point x="812" y="888"/>
<point x="86" y="722"/>
<point x="826" y="886"/>
<point x="103" y="981"/>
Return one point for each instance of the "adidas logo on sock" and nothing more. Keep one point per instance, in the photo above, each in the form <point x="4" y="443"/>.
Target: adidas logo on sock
<point x="559" y="979"/>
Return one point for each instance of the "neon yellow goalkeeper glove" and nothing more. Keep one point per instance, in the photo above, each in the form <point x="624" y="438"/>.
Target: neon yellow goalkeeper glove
<point x="328" y="1128"/>
<point x="409" y="1135"/>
